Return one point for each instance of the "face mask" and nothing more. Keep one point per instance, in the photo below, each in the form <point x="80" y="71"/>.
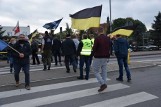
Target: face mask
<point x="21" y="41"/>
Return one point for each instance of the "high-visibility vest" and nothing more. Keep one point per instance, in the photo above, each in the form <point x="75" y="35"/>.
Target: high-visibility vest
<point x="87" y="47"/>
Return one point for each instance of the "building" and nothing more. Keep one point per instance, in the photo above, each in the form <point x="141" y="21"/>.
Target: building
<point x="9" y="30"/>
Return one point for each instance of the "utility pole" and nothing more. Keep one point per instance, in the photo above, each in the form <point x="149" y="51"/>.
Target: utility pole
<point x="110" y="14"/>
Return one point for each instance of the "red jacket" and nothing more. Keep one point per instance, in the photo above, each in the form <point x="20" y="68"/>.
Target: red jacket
<point x="101" y="47"/>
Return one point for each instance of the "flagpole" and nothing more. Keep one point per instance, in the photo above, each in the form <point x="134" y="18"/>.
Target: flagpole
<point x="13" y="49"/>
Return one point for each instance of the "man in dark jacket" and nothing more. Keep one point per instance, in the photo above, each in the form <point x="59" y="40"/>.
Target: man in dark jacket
<point x="121" y="51"/>
<point x="21" y="60"/>
<point x="101" y="52"/>
<point x="56" y="50"/>
<point x="69" y="51"/>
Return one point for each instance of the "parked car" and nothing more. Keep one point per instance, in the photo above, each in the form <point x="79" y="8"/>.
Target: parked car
<point x="148" y="47"/>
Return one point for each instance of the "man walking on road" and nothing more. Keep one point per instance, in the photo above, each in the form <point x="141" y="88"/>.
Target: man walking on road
<point x="21" y="60"/>
<point x="121" y="51"/>
<point x="47" y="50"/>
<point x="101" y="52"/>
<point x="69" y="51"/>
<point x="84" y="51"/>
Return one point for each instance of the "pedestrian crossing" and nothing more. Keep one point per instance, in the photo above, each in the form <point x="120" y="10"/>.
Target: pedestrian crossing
<point x="6" y="70"/>
<point x="66" y="94"/>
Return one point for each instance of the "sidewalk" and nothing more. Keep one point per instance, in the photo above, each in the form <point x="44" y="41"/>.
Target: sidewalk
<point x="8" y="79"/>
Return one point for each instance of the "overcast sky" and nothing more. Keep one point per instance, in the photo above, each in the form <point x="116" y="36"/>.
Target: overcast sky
<point x="36" y="13"/>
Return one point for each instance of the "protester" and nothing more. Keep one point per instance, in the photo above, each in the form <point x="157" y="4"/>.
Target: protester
<point x="101" y="52"/>
<point x="84" y="51"/>
<point x="9" y="53"/>
<point x="76" y="42"/>
<point x="69" y="51"/>
<point x="47" y="50"/>
<point x="56" y="50"/>
<point x="121" y="51"/>
<point x="21" y="60"/>
<point x="34" y="48"/>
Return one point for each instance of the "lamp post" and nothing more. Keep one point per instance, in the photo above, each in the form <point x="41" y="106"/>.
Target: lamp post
<point x="110" y="14"/>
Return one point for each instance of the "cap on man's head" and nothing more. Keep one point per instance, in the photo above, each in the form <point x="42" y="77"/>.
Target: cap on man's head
<point x="68" y="35"/>
<point x="46" y="32"/>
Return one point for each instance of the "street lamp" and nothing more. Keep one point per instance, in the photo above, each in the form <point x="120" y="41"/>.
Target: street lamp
<point x="110" y="14"/>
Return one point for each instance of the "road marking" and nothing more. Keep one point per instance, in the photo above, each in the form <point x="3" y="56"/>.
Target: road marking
<point x="11" y="93"/>
<point x="63" y="97"/>
<point x="124" y="101"/>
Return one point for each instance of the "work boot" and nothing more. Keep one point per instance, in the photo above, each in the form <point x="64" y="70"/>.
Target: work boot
<point x="17" y="83"/>
<point x="48" y="67"/>
<point x="119" y="79"/>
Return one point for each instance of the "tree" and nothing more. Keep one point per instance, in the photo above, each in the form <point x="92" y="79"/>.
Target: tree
<point x="156" y="31"/>
<point x="1" y="32"/>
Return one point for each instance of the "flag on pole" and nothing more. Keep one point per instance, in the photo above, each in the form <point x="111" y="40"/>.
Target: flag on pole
<point x="52" y="25"/>
<point x="86" y="18"/>
<point x="124" y="30"/>
<point x="16" y="29"/>
<point x="3" y="45"/>
<point x="33" y="35"/>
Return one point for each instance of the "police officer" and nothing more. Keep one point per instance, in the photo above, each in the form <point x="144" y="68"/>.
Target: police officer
<point x="84" y="51"/>
<point x="47" y="50"/>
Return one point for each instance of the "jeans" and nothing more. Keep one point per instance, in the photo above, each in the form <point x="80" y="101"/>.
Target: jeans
<point x="100" y="63"/>
<point x="123" y="61"/>
<point x="86" y="60"/>
<point x="25" y="67"/>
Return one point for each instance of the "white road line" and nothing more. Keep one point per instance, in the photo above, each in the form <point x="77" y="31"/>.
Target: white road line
<point x="11" y="93"/>
<point x="124" y="100"/>
<point x="63" y="97"/>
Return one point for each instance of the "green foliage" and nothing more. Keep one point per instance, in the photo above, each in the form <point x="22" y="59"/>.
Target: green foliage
<point x="156" y="32"/>
<point x="1" y="32"/>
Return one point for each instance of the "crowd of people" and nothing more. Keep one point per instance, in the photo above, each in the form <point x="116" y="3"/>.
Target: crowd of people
<point x="93" y="52"/>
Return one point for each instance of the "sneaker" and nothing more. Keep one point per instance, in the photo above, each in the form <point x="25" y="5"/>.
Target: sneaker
<point x="17" y="84"/>
<point x="102" y="87"/>
<point x="119" y="79"/>
<point x="27" y="87"/>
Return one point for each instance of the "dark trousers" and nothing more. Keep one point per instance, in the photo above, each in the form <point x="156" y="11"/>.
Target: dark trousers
<point x="86" y="60"/>
<point x="57" y="55"/>
<point x="35" y="57"/>
<point x="122" y="61"/>
<point x="69" y="58"/>
<point x="25" y="67"/>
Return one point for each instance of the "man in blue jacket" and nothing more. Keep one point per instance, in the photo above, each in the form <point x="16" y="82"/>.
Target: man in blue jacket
<point x="121" y="51"/>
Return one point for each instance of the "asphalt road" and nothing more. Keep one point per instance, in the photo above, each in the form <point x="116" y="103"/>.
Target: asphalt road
<point x="143" y="91"/>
